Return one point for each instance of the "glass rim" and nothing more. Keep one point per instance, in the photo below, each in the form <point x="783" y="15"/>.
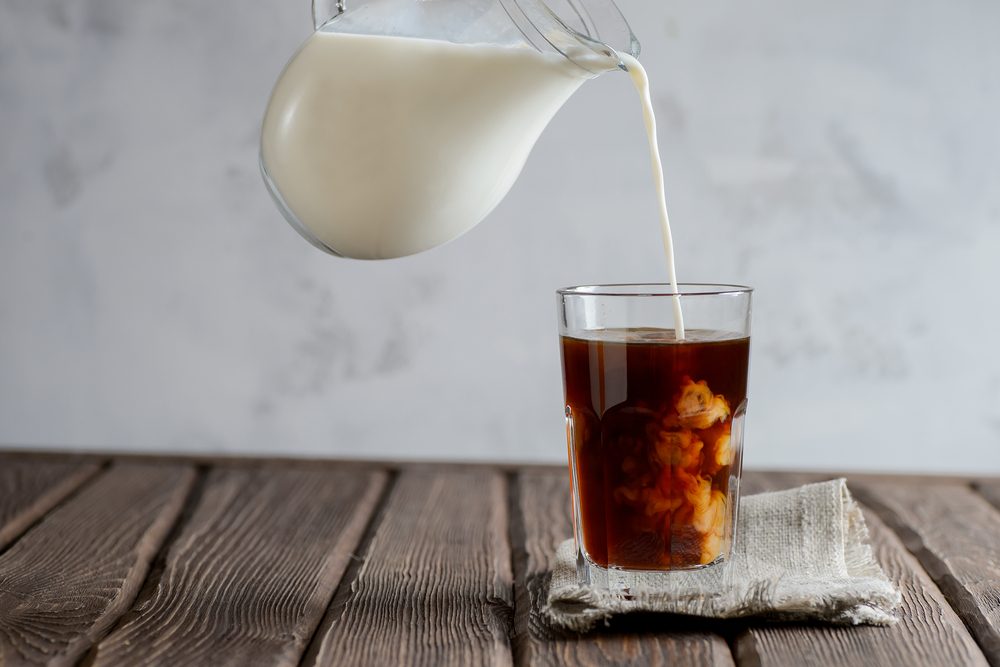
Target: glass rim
<point x="654" y="289"/>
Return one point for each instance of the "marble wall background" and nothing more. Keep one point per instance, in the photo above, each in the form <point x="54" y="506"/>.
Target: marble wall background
<point x="842" y="158"/>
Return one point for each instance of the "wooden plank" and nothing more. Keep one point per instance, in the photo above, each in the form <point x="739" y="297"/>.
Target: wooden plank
<point x="29" y="488"/>
<point x="541" y="520"/>
<point x="69" y="578"/>
<point x="929" y="632"/>
<point x="435" y="584"/>
<point x="250" y="575"/>
<point x="955" y="534"/>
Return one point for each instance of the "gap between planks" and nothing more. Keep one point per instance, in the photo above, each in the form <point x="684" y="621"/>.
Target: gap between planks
<point x="149" y="584"/>
<point x="343" y="592"/>
<point x="521" y="599"/>
<point x="53" y="494"/>
<point x="435" y="585"/>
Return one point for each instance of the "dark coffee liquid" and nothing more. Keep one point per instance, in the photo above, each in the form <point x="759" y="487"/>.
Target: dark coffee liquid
<point x="652" y="443"/>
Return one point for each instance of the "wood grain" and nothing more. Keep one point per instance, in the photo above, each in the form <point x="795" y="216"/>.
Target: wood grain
<point x="431" y="570"/>
<point x="541" y="521"/>
<point x="250" y="574"/>
<point x="955" y="534"/>
<point x="928" y="632"/>
<point x="70" y="577"/>
<point x="435" y="584"/>
<point x="30" y="488"/>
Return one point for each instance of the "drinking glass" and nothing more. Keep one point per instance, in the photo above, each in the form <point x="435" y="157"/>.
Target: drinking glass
<point x="656" y="395"/>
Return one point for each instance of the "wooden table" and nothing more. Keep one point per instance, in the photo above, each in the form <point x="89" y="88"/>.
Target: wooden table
<point x="171" y="561"/>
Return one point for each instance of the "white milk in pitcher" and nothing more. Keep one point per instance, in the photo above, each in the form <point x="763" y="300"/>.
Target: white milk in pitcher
<point x="387" y="146"/>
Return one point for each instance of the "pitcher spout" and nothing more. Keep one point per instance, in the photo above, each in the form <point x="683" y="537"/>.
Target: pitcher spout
<point x="324" y="11"/>
<point x="593" y="34"/>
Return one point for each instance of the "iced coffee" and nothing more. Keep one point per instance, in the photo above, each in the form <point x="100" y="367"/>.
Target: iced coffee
<point x="654" y="428"/>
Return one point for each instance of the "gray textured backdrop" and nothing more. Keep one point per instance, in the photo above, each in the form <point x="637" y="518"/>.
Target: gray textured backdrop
<point x="842" y="158"/>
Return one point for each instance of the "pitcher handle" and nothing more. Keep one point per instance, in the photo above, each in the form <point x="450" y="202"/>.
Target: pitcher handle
<point x="325" y="11"/>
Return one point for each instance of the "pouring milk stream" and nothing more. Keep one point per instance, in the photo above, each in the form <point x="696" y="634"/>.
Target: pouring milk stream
<point x="379" y="145"/>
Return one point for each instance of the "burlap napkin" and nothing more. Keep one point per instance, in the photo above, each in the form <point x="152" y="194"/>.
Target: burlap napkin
<point x="799" y="554"/>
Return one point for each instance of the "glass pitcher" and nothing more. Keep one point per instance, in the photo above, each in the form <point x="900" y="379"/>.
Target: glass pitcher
<point x="400" y="124"/>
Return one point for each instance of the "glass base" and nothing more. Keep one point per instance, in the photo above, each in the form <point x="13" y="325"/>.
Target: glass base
<point x="620" y="582"/>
